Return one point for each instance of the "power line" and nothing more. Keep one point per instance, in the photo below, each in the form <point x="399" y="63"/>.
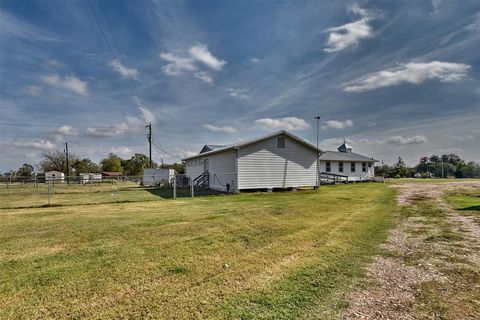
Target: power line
<point x="109" y="24"/>
<point x="166" y="152"/>
<point x="108" y="43"/>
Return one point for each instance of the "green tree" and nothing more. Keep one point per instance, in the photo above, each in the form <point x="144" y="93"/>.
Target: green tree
<point x="468" y="170"/>
<point x="57" y="161"/>
<point x="178" y="167"/>
<point x="383" y="170"/>
<point x="26" y="170"/>
<point x="112" y="163"/>
<point x="135" y="165"/>
<point x="400" y="169"/>
<point x="85" y="166"/>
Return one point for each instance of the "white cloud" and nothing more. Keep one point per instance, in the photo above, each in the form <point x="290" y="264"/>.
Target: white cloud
<point x="71" y="83"/>
<point x="204" y="76"/>
<point x="238" y="93"/>
<point x="256" y="60"/>
<point x="66" y="131"/>
<point x="43" y="145"/>
<point x="191" y="61"/>
<point x="288" y="123"/>
<point x="200" y="53"/>
<point x="182" y="153"/>
<point x="351" y="33"/>
<point x="122" y="151"/>
<point x="132" y="124"/>
<point x="10" y="26"/>
<point x="335" y="124"/>
<point x="224" y="129"/>
<point x="467" y="137"/>
<point x="413" y="72"/>
<point x="436" y="6"/>
<point x="177" y="64"/>
<point x="123" y="70"/>
<point x="146" y="114"/>
<point x="407" y="140"/>
<point x="33" y="90"/>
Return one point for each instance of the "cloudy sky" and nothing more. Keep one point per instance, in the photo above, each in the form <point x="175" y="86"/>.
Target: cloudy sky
<point x="395" y="78"/>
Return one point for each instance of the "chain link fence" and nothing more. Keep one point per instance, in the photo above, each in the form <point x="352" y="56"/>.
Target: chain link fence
<point x="27" y="192"/>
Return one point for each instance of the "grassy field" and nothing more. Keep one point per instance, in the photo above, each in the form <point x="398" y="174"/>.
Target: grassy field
<point x="466" y="201"/>
<point x="62" y="194"/>
<point x="264" y="256"/>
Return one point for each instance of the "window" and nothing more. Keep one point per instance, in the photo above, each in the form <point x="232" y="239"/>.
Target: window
<point x="364" y="167"/>
<point x="369" y="164"/>
<point x="340" y="167"/>
<point x="328" y="166"/>
<point x="281" y="142"/>
<point x="352" y="167"/>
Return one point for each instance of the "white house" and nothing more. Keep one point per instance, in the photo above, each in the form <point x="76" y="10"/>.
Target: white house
<point x="55" y="176"/>
<point x="153" y="177"/>
<point x="346" y="164"/>
<point x="278" y="160"/>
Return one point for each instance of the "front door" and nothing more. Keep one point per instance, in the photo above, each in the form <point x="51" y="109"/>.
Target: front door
<point x="205" y="165"/>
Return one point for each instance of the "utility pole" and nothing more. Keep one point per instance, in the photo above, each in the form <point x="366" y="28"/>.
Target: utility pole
<point x="149" y="136"/>
<point x="318" y="155"/>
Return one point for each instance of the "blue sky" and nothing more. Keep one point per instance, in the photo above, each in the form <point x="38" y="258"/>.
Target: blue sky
<point x="395" y="78"/>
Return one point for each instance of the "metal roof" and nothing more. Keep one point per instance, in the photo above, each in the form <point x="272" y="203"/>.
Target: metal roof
<point x="252" y="141"/>
<point x="345" y="156"/>
<point x="210" y="147"/>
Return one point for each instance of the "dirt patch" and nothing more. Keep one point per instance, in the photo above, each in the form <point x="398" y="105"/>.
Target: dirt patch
<point x="419" y="249"/>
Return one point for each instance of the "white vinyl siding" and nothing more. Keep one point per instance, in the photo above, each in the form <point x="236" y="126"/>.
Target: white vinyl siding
<point x="356" y="175"/>
<point x="264" y="165"/>
<point x="221" y="168"/>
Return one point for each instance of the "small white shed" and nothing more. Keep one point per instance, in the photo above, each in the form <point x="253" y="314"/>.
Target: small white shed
<point x="90" y="177"/>
<point x="278" y="160"/>
<point x="152" y="177"/>
<point x="55" y="176"/>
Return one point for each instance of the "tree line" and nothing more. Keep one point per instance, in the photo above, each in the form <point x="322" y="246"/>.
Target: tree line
<point x="447" y="165"/>
<point x="57" y="161"/>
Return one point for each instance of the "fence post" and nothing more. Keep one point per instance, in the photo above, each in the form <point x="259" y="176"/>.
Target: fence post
<point x="191" y="186"/>
<point x="49" y="191"/>
<point x="174" y="187"/>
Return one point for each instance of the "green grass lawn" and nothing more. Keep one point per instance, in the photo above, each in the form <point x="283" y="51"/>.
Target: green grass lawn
<point x="465" y="200"/>
<point x="468" y="201"/>
<point x="271" y="256"/>
<point x="62" y="194"/>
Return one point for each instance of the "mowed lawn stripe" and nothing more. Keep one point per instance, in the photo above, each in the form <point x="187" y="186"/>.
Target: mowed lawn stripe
<point x="271" y="255"/>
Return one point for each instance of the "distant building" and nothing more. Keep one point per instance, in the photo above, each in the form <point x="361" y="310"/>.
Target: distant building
<point x="111" y="174"/>
<point x="347" y="165"/>
<point x="90" y="177"/>
<point x="54" y="176"/>
<point x="161" y="176"/>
